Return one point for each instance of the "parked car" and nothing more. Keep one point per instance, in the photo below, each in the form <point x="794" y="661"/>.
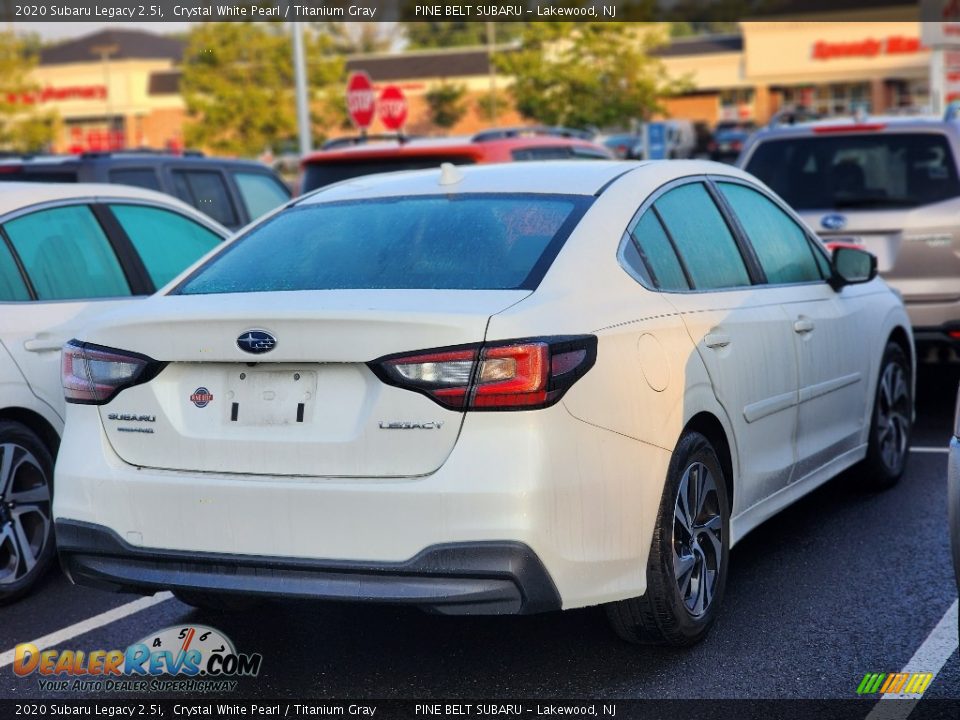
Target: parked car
<point x="953" y="492"/>
<point x="498" y="389"/>
<point x="889" y="185"/>
<point x="727" y="144"/>
<point x="67" y="253"/>
<point x="348" y="159"/>
<point x="232" y="192"/>
<point x="623" y="145"/>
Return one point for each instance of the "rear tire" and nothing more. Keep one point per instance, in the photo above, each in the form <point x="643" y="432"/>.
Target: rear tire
<point x="689" y="555"/>
<point x="891" y="423"/>
<point x="27" y="546"/>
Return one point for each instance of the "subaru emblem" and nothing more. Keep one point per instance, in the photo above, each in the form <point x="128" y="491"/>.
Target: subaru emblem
<point x="256" y="342"/>
<point x="833" y="222"/>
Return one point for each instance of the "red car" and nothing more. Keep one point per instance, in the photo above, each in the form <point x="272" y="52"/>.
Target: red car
<point x="351" y="157"/>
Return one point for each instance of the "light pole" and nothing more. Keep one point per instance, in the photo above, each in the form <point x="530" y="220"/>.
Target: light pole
<point x="491" y="41"/>
<point x="105" y="51"/>
<point x="300" y="82"/>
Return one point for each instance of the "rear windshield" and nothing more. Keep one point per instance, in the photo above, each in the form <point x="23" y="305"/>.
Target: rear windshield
<point x="318" y="174"/>
<point x="881" y="170"/>
<point x="468" y="242"/>
<point x="41" y="176"/>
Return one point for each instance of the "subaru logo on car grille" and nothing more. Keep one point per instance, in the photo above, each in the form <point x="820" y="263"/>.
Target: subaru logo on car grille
<point x="833" y="222"/>
<point x="256" y="342"/>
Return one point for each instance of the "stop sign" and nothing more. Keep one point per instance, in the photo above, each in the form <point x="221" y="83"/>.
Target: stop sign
<point x="393" y="107"/>
<point x="361" y="102"/>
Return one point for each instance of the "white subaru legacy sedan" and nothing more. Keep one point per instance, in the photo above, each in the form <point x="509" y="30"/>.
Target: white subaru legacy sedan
<point x="498" y="389"/>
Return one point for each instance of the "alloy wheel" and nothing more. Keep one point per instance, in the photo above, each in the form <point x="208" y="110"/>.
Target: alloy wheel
<point x="893" y="415"/>
<point x="24" y="512"/>
<point x="697" y="538"/>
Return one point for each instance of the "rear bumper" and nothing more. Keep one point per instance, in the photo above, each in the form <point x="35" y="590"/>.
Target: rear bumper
<point x="481" y="578"/>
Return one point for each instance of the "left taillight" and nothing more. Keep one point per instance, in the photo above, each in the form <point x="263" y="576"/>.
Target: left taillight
<point x="515" y="375"/>
<point x="93" y="375"/>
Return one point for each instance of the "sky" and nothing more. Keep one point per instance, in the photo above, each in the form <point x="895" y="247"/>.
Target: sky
<point x="70" y="30"/>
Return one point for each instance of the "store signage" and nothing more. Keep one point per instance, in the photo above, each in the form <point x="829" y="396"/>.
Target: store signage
<point x="361" y="101"/>
<point x="50" y="94"/>
<point x="940" y="23"/>
<point x="871" y="47"/>
<point x="392" y="107"/>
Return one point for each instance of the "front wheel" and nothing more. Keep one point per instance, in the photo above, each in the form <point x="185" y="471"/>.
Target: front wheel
<point x="891" y="424"/>
<point x="26" y="527"/>
<point x="687" y="567"/>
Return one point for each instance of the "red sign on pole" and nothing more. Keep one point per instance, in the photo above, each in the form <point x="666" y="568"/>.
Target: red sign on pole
<point x="393" y="108"/>
<point x="361" y="101"/>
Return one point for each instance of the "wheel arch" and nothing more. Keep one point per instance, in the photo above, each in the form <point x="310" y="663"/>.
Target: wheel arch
<point x="708" y="425"/>
<point x="35" y="422"/>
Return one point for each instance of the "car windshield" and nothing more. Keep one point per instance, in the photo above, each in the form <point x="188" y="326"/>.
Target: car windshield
<point x="318" y="174"/>
<point x="876" y="170"/>
<point x="469" y="242"/>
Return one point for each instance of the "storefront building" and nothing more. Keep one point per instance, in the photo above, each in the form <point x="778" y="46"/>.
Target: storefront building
<point x="120" y="88"/>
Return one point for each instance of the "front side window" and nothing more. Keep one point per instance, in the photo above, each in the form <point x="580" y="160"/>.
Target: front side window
<point x="703" y="240"/>
<point x="207" y="191"/>
<point x="167" y="242"/>
<point x="261" y="193"/>
<point x="66" y="254"/>
<point x="470" y="242"/>
<point x="12" y="287"/>
<point x="782" y="246"/>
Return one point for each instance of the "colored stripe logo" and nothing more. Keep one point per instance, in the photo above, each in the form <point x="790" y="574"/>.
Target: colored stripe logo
<point x="894" y="683"/>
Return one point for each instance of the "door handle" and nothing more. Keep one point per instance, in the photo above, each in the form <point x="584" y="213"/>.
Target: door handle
<point x="716" y="340"/>
<point x="42" y="343"/>
<point x="803" y="326"/>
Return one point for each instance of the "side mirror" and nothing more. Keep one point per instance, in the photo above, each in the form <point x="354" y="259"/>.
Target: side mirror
<point x="852" y="266"/>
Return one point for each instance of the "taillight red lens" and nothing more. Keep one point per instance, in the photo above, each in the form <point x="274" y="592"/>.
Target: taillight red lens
<point x="93" y="375"/>
<point x="523" y="374"/>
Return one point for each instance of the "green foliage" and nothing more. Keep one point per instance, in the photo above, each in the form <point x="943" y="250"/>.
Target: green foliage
<point x="446" y="104"/>
<point x="490" y="106"/>
<point x="23" y="126"/>
<point x="457" y="34"/>
<point x="354" y="38"/>
<point x="238" y="84"/>
<point x="587" y="74"/>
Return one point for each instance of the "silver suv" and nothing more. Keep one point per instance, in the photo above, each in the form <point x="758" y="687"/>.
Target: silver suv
<point x="887" y="184"/>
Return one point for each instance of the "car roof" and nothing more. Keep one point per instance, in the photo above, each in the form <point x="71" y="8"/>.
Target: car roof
<point x="442" y="145"/>
<point x="564" y="177"/>
<point x="17" y="195"/>
<point x="872" y="123"/>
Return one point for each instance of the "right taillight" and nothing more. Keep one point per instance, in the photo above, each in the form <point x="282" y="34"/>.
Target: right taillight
<point x="93" y="375"/>
<point x="513" y="375"/>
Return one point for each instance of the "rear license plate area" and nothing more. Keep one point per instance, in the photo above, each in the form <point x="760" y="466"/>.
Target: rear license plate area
<point x="267" y="398"/>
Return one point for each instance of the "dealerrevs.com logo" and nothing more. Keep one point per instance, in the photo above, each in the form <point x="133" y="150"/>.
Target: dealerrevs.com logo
<point x="184" y="658"/>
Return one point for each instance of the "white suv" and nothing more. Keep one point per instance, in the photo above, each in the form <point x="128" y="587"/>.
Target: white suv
<point x="67" y="253"/>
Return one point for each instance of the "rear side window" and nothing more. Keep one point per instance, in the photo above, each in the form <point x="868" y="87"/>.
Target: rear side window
<point x="702" y="238"/>
<point x="167" y="242"/>
<point x="781" y="245"/>
<point x="858" y="170"/>
<point x="67" y="255"/>
<point x="207" y="191"/>
<point x="320" y="173"/>
<point x="11" y="282"/>
<point x="261" y="193"/>
<point x="138" y="177"/>
<point x="658" y="253"/>
<point x="561" y="152"/>
<point x="482" y="242"/>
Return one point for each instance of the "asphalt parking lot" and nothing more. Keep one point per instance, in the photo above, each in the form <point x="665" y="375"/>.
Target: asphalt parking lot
<point x="841" y="584"/>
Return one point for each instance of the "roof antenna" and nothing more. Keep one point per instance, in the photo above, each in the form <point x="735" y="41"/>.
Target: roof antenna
<point x="449" y="175"/>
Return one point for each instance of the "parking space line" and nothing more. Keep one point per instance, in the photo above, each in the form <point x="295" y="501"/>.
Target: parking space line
<point x="85" y="626"/>
<point x="921" y="449"/>
<point x="930" y="657"/>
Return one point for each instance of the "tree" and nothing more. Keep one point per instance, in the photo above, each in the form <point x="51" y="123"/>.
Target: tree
<point x="596" y="74"/>
<point x="446" y="104"/>
<point x="23" y="127"/>
<point x="238" y="84"/>
<point x="457" y="34"/>
<point x="357" y="38"/>
<point x="489" y="106"/>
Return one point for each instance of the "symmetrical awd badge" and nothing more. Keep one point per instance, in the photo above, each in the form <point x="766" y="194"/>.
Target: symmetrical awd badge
<point x="256" y="342"/>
